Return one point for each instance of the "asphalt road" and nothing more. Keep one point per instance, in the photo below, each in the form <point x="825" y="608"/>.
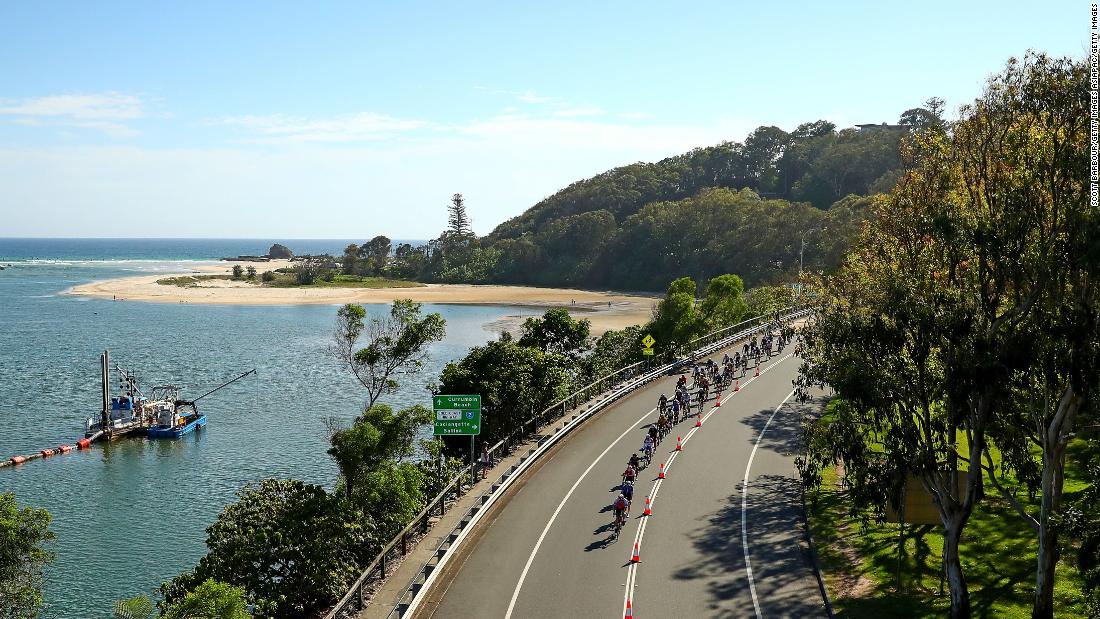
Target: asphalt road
<point x="549" y="551"/>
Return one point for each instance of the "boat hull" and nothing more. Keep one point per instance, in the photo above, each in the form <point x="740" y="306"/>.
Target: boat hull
<point x="178" y="431"/>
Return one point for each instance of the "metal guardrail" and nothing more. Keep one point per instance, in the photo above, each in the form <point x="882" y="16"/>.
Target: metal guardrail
<point x="621" y="382"/>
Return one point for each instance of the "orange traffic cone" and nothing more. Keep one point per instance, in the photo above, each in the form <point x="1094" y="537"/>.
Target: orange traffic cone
<point x="679" y="444"/>
<point x="647" y="512"/>
<point x="629" y="612"/>
<point x="757" y="370"/>
<point x="737" y="385"/>
<point x="718" y="401"/>
<point x="661" y="474"/>
<point x="636" y="558"/>
<point x="698" y="421"/>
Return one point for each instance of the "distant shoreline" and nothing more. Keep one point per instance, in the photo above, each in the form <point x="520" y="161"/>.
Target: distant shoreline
<point x="625" y="309"/>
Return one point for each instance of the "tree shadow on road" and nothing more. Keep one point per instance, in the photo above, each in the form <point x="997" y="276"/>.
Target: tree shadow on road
<point x="782" y="569"/>
<point x="784" y="435"/>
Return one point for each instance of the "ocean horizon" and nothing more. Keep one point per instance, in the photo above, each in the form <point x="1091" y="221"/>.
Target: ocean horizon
<point x="29" y="249"/>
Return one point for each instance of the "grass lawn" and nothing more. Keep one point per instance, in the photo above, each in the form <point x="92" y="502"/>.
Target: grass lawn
<point x="861" y="564"/>
<point x="287" y="280"/>
<point x="189" y="281"/>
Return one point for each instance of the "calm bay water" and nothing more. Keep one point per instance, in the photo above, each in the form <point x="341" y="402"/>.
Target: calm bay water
<point x="133" y="513"/>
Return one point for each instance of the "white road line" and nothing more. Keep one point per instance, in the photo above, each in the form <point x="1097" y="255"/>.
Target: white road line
<point x="545" y="530"/>
<point x="632" y="570"/>
<point x="745" y="506"/>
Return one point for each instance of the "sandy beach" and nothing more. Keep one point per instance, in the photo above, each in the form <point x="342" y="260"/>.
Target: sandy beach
<point x="624" y="309"/>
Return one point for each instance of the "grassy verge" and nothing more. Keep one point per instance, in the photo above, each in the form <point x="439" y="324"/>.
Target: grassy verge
<point x="189" y="281"/>
<point x="288" y="280"/>
<point x="861" y="563"/>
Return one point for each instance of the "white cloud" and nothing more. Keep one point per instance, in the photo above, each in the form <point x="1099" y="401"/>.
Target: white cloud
<point x="531" y="97"/>
<point x="100" y="111"/>
<point x="636" y="116"/>
<point x="569" y="112"/>
<point x="360" y="127"/>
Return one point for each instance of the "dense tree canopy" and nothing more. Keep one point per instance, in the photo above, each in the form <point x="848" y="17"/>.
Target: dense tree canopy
<point x="514" y="382"/>
<point x="210" y="600"/>
<point x="378" y="435"/>
<point x="557" y="332"/>
<point x="24" y="535"/>
<point x="288" y="544"/>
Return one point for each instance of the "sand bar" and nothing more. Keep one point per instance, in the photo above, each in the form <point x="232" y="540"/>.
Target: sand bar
<point x="624" y="309"/>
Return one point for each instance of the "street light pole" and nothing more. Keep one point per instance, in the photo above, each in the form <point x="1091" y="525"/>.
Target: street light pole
<point x="801" y="251"/>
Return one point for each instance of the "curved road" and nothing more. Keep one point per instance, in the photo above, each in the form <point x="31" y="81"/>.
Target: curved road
<point x="547" y="550"/>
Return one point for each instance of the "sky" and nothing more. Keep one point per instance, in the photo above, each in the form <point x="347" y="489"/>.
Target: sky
<point x="347" y="120"/>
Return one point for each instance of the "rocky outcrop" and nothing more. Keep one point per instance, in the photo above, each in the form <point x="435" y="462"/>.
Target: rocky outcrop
<point x="280" y="251"/>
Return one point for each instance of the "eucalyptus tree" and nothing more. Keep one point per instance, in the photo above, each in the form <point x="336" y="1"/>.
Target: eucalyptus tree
<point x="975" y="274"/>
<point x="397" y="343"/>
<point x="1023" y="152"/>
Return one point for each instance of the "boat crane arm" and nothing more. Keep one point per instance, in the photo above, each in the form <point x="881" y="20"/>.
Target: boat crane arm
<point x="225" y="384"/>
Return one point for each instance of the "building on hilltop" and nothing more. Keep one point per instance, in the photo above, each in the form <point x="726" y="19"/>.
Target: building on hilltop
<point x="881" y="127"/>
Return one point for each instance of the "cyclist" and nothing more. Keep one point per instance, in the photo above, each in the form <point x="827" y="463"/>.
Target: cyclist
<point x="647" y="449"/>
<point x="629" y="474"/>
<point x="662" y="403"/>
<point x="654" y="434"/>
<point x="622" y="508"/>
<point x="676" y="410"/>
<point x="633" y="461"/>
<point x="627" y="490"/>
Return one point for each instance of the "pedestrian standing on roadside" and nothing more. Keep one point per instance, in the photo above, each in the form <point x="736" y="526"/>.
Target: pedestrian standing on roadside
<point x="485" y="460"/>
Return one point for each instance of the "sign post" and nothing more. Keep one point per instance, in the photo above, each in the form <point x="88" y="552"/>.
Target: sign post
<point x="458" y="415"/>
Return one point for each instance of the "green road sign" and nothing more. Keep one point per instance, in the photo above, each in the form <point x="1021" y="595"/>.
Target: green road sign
<point x="647" y="351"/>
<point x="457" y="415"/>
<point x="648" y="341"/>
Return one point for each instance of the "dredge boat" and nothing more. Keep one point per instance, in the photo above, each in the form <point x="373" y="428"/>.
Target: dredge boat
<point x="163" y="414"/>
<point x="174" y="417"/>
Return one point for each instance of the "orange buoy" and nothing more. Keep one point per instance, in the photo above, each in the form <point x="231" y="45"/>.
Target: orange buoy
<point x="64" y="449"/>
<point x="83" y="443"/>
<point x="46" y="453"/>
<point x="18" y="459"/>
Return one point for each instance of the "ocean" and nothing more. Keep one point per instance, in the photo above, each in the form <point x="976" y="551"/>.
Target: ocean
<point x="131" y="514"/>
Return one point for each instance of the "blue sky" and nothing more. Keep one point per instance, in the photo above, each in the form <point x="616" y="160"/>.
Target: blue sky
<point x="335" y="120"/>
